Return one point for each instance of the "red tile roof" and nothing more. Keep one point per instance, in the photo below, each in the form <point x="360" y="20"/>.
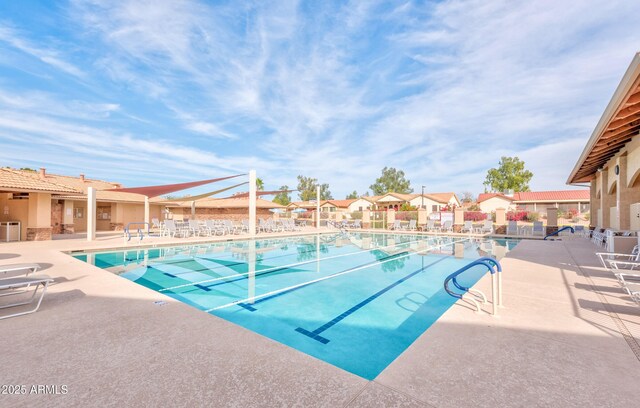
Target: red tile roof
<point x="557" y="195"/>
<point x="531" y="196"/>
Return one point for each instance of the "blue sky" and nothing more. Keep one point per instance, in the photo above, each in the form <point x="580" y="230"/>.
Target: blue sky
<point x="148" y="92"/>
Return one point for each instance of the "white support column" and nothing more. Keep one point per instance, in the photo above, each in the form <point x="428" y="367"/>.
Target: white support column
<point x="251" y="277"/>
<point x="252" y="203"/>
<point x="193" y="210"/>
<point x="91" y="214"/>
<point x="318" y="207"/>
<point x="146" y="209"/>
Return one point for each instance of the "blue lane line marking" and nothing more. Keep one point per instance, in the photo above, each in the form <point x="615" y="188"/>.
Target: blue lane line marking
<point x="316" y="333"/>
<point x="251" y="307"/>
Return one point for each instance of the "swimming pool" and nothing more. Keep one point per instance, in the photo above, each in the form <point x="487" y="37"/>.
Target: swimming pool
<point x="354" y="300"/>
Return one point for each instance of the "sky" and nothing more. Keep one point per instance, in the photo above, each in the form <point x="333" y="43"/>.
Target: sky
<point x="164" y="91"/>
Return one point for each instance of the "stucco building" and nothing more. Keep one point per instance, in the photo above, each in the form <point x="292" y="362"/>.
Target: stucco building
<point x="610" y="161"/>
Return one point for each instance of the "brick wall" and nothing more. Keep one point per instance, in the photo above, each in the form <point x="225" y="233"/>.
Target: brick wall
<point x="39" y="234"/>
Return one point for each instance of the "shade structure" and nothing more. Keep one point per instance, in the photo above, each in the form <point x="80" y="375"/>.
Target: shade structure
<point x="276" y="210"/>
<point x="261" y="193"/>
<point x="155" y="191"/>
<point x="205" y="195"/>
<point x="299" y="210"/>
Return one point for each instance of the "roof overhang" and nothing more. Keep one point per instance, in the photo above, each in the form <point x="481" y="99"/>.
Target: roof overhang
<point x="619" y="123"/>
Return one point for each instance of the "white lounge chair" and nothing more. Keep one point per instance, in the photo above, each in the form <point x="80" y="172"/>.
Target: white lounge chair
<point x="396" y="225"/>
<point x="487" y="227"/>
<point x="512" y="228"/>
<point x="447" y="226"/>
<point x="431" y="226"/>
<point x="8" y="271"/>
<point x="412" y="225"/>
<point x="10" y="284"/>
<point x="467" y="227"/>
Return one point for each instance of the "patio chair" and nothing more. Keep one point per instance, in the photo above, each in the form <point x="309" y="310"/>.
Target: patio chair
<point x="26" y="282"/>
<point x="170" y="228"/>
<point x="487" y="227"/>
<point x="538" y="229"/>
<point x="467" y="227"/>
<point x="447" y="226"/>
<point x="357" y="224"/>
<point x="430" y="226"/>
<point x="245" y="226"/>
<point x="412" y="225"/>
<point x="512" y="228"/>
<point x="396" y="225"/>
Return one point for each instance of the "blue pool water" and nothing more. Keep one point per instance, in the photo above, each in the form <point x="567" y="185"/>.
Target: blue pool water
<point x="356" y="301"/>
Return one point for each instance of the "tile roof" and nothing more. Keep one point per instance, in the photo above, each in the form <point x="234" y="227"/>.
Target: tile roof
<point x="341" y="203"/>
<point x="486" y="196"/>
<point x="556" y="195"/>
<point x="28" y="181"/>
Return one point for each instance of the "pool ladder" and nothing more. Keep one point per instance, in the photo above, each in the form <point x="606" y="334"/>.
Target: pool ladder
<point x="494" y="268"/>
<point x="573" y="231"/>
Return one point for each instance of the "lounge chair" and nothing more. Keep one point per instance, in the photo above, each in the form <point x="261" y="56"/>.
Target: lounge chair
<point x="447" y="226"/>
<point x="412" y="225"/>
<point x="487" y="227"/>
<point x="430" y="226"/>
<point x="19" y="282"/>
<point x="8" y="271"/>
<point x="396" y="225"/>
<point x="538" y="229"/>
<point x="467" y="227"/>
<point x="512" y="228"/>
<point x="357" y="224"/>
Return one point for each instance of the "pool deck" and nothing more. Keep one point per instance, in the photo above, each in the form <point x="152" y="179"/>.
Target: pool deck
<point x="567" y="336"/>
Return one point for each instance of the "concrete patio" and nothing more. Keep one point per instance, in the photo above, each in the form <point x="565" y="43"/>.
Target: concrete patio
<point x="567" y="336"/>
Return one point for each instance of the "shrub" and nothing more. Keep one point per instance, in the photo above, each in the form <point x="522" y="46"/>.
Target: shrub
<point x="474" y="207"/>
<point x="516" y="215"/>
<point x="356" y="215"/>
<point x="572" y="213"/>
<point x="533" y="216"/>
<point x="407" y="207"/>
<point x="586" y="216"/>
<point x="474" y="216"/>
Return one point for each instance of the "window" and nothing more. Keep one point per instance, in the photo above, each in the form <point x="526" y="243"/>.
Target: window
<point x="78" y="212"/>
<point x="434" y="208"/>
<point x="103" y="213"/>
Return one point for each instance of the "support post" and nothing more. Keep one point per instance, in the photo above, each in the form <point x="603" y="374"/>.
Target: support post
<point x="252" y="203"/>
<point x="318" y="207"/>
<point x="146" y="209"/>
<point x="91" y="214"/>
<point x="193" y="210"/>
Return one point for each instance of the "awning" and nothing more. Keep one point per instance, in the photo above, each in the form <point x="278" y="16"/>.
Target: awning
<point x="261" y="193"/>
<point x="155" y="191"/>
<point x="201" y="196"/>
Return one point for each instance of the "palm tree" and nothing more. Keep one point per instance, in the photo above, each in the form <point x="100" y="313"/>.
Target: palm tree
<point x="259" y="184"/>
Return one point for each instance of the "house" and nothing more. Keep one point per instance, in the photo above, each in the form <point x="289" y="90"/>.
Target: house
<point x="26" y="197"/>
<point x="536" y="201"/>
<point x="610" y="161"/>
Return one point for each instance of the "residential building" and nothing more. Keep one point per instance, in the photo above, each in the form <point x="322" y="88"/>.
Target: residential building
<point x="610" y="161"/>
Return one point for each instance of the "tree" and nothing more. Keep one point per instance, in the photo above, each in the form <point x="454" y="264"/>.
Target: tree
<point x="307" y="189"/>
<point x="467" y="197"/>
<point x="259" y="184"/>
<point x="510" y="175"/>
<point x="283" y="198"/>
<point x="353" y="195"/>
<point x="393" y="181"/>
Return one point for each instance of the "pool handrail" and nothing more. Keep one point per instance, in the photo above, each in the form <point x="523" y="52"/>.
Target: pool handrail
<point x="127" y="230"/>
<point x="573" y="231"/>
<point x="494" y="267"/>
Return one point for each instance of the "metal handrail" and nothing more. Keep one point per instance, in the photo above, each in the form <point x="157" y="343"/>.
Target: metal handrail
<point x="127" y="230"/>
<point x="573" y="231"/>
<point x="494" y="267"/>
